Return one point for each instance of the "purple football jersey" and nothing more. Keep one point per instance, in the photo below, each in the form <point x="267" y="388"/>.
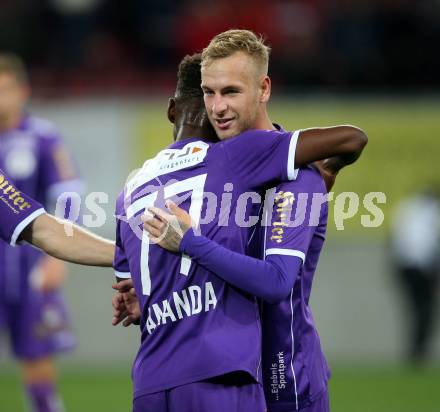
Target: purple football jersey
<point x="17" y="210"/>
<point x="194" y="325"/>
<point x="34" y="157"/>
<point x="295" y="372"/>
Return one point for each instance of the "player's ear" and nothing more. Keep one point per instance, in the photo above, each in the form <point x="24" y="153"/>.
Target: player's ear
<point x="171" y="111"/>
<point x="265" y="87"/>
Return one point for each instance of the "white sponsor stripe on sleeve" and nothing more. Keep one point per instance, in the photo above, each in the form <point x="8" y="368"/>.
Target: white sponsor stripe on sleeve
<point x="293" y="349"/>
<point x="292" y="172"/>
<point x="286" y="252"/>
<point x="23" y="224"/>
<point x="123" y="275"/>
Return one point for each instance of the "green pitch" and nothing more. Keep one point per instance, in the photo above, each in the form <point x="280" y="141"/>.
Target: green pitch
<point x="352" y="390"/>
<point x="404" y="142"/>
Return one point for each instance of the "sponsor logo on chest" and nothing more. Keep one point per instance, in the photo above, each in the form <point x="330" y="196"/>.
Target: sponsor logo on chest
<point x="167" y="161"/>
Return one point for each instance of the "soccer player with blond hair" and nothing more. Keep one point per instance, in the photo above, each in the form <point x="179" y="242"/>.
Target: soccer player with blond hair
<point x="236" y="92"/>
<point x="189" y="315"/>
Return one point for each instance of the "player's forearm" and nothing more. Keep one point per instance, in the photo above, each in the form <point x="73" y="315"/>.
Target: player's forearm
<point x="80" y="246"/>
<point x="342" y="143"/>
<point x="334" y="164"/>
<point x="268" y="280"/>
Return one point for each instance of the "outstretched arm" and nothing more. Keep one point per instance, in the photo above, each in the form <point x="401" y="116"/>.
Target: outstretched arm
<point x="24" y="218"/>
<point x="80" y="246"/>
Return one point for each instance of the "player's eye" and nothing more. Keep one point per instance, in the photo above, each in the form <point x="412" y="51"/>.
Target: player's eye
<point x="231" y="91"/>
<point x="207" y="92"/>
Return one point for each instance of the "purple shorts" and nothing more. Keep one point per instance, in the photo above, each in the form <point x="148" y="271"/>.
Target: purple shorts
<point x="322" y="404"/>
<point x="38" y="324"/>
<point x="208" y="395"/>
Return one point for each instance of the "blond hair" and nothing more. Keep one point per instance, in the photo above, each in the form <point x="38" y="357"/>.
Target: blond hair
<point x="12" y="64"/>
<point x="231" y="41"/>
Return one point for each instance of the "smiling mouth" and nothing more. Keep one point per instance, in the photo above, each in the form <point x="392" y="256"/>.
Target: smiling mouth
<point x="224" y="124"/>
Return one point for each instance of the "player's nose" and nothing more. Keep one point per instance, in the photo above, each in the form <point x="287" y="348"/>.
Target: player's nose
<point x="219" y="106"/>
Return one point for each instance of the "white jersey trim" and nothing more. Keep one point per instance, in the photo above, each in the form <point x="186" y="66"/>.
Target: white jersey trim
<point x="24" y="223"/>
<point x="123" y="275"/>
<point x="286" y="252"/>
<point x="292" y="172"/>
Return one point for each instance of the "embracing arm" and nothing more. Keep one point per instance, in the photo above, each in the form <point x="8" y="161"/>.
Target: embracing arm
<point x="271" y="279"/>
<point x="81" y="246"/>
<point x="344" y="142"/>
<point x="339" y="146"/>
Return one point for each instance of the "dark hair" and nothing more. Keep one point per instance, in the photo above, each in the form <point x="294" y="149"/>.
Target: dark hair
<point x="12" y="64"/>
<point x="189" y="77"/>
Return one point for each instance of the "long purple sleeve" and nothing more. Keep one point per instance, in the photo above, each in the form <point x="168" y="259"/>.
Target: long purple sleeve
<point x="271" y="279"/>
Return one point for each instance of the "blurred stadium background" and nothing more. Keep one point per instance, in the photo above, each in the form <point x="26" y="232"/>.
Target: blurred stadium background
<point x="102" y="71"/>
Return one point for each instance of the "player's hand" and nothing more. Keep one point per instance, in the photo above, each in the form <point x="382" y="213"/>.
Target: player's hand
<point x="119" y="311"/>
<point x="48" y="275"/>
<point x="126" y="308"/>
<point x="167" y="229"/>
<point x="328" y="175"/>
